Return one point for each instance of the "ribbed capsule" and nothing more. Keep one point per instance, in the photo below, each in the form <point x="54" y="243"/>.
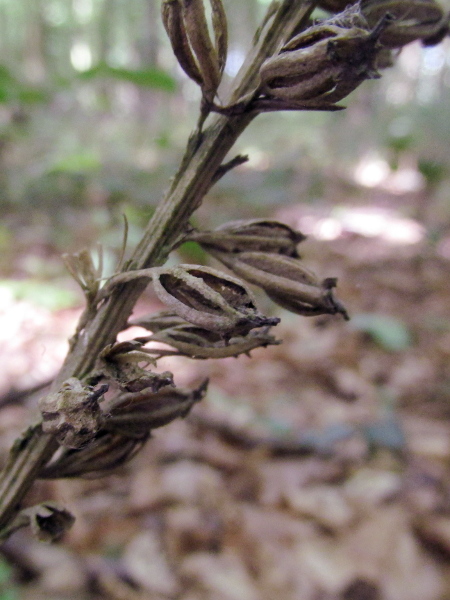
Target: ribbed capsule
<point x="205" y="53"/>
<point x="107" y="452"/>
<point x="273" y="272"/>
<point x="202" y="59"/>
<point x="334" y="6"/>
<point x="328" y="304"/>
<point x="154" y="322"/>
<point x="176" y="30"/>
<point x="286" y="281"/>
<point x="209" y="299"/>
<point x="199" y="343"/>
<point x="325" y="62"/>
<point x="220" y="27"/>
<point x="136" y="414"/>
<point x="411" y="19"/>
<point x="251" y="235"/>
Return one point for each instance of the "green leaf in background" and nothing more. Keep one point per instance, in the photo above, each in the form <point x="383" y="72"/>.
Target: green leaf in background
<point x="433" y="171"/>
<point x="12" y="90"/>
<point x="7" y="588"/>
<point x="149" y="78"/>
<point x="45" y="294"/>
<point x="390" y="333"/>
<point x="192" y="252"/>
<point x="79" y="162"/>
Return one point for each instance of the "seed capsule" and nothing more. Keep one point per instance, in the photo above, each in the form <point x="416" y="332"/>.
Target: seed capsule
<point x="187" y="28"/>
<point x="107" y="452"/>
<point x="199" y="343"/>
<point x="220" y="27"/>
<point x="136" y="414"/>
<point x="251" y="235"/>
<point x="200" y="41"/>
<point x="328" y="305"/>
<point x="273" y="272"/>
<point x="176" y="30"/>
<point x="334" y="6"/>
<point x="286" y="281"/>
<point x="412" y="19"/>
<point x="209" y="299"/>
<point x="324" y="63"/>
<point x="155" y="322"/>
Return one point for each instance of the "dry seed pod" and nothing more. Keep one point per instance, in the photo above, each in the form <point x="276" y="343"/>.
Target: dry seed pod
<point x="251" y="235"/>
<point x="175" y="28"/>
<point x="412" y="19"/>
<point x="202" y="344"/>
<point x="205" y="53"/>
<point x="286" y="281"/>
<point x="72" y="414"/>
<point x="328" y="305"/>
<point x="122" y="363"/>
<point x="334" y="6"/>
<point x="275" y="273"/>
<point x="187" y="28"/>
<point x="220" y="27"/>
<point x="155" y="322"/>
<point x="325" y="62"/>
<point x="137" y="414"/>
<point x="209" y="299"/>
<point x="48" y="521"/>
<point x="107" y="452"/>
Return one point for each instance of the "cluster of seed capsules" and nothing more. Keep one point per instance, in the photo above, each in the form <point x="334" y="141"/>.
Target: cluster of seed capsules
<point x="316" y="67"/>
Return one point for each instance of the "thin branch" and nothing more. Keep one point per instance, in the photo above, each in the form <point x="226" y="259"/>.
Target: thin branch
<point x="238" y="160"/>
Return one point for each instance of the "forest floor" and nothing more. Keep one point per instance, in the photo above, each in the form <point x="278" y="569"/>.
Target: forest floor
<point x="318" y="469"/>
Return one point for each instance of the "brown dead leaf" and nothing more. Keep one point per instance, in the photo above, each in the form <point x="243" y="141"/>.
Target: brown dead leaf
<point x="146" y="564"/>
<point x="325" y="505"/>
<point x="222" y="577"/>
<point x="192" y="529"/>
<point x="434" y="530"/>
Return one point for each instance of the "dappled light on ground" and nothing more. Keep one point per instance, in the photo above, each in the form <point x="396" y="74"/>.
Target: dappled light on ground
<point x="318" y="468"/>
<point x="386" y="225"/>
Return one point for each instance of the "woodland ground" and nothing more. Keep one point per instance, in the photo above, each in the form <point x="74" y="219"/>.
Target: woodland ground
<point x="318" y="469"/>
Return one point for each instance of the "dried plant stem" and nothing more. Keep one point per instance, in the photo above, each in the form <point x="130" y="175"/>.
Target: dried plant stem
<point x="202" y="161"/>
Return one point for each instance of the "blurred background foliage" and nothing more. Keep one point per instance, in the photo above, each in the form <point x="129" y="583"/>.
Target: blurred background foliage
<point x="94" y="118"/>
<point x="94" y="115"/>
